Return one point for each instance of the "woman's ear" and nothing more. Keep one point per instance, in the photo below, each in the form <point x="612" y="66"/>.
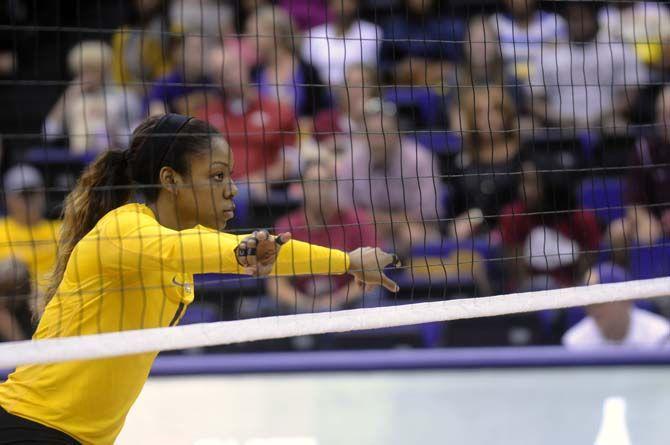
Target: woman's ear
<point x="170" y="180"/>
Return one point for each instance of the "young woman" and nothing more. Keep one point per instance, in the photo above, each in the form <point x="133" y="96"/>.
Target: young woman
<point x="124" y="265"/>
<point x="280" y="71"/>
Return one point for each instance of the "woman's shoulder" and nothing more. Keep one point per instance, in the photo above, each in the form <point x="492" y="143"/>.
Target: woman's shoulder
<point x="126" y="215"/>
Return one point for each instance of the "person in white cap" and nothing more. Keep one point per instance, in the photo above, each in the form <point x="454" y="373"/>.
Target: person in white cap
<point x="617" y="323"/>
<point x="549" y="237"/>
<point x="27" y="238"/>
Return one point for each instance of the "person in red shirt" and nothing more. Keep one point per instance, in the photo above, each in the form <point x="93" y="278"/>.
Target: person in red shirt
<point x="322" y="220"/>
<point x="334" y="127"/>
<point x="550" y="240"/>
<point x="647" y="193"/>
<point x="261" y="132"/>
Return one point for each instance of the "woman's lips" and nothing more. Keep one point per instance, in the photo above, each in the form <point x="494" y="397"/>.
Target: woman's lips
<point x="229" y="212"/>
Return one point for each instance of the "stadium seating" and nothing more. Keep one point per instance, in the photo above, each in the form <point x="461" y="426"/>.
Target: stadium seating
<point x="604" y="195"/>
<point x="420" y="107"/>
<point x="650" y="261"/>
<point x="444" y="269"/>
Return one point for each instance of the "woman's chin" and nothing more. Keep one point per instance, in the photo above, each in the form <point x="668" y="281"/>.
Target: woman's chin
<point x="223" y="221"/>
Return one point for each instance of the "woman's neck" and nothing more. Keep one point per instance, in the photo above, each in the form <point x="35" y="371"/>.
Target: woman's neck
<point x="342" y="25"/>
<point x="278" y="56"/>
<point x="165" y="210"/>
<point x="496" y="150"/>
<point x="618" y="332"/>
<point x="321" y="215"/>
<point x="282" y="63"/>
<point x="524" y="20"/>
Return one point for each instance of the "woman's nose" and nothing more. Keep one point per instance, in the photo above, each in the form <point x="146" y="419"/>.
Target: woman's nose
<point x="231" y="190"/>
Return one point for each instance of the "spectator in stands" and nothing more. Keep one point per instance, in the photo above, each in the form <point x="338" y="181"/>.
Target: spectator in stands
<point x="323" y="219"/>
<point x="261" y="131"/>
<point x="549" y="238"/>
<point x="421" y="44"/>
<point x="184" y="89"/>
<point x="93" y="114"/>
<point x="617" y="323"/>
<point x="207" y="18"/>
<point x="25" y="234"/>
<point x="642" y="23"/>
<point x="8" y="54"/>
<point x="15" y="298"/>
<point x="586" y="83"/>
<point x="140" y="46"/>
<point x="244" y="9"/>
<point x="335" y="127"/>
<point x="392" y="177"/>
<point x="281" y="73"/>
<point x="487" y="168"/>
<point x="26" y="237"/>
<point x="344" y="41"/>
<point x="647" y="218"/>
<point x="482" y="61"/>
<point x="482" y="67"/>
<point x="307" y="13"/>
<point x="523" y="30"/>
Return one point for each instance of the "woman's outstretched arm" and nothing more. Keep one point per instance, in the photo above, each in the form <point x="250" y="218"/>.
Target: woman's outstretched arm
<point x="137" y="241"/>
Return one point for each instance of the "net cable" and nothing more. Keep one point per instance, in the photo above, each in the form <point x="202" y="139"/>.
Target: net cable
<point x="228" y="332"/>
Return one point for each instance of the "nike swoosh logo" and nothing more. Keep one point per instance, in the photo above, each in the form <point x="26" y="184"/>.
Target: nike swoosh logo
<point x="188" y="287"/>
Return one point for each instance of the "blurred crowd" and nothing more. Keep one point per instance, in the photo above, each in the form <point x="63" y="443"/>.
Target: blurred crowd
<point x="513" y="146"/>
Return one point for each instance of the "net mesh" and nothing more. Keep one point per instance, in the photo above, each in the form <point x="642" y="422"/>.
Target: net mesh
<point x="496" y="148"/>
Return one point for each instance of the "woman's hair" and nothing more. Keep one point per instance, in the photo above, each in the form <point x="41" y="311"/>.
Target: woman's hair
<point x="139" y="17"/>
<point x="557" y="188"/>
<point x="112" y="179"/>
<point x="272" y="20"/>
<point x="89" y="53"/>
<point x="558" y="196"/>
<point x="482" y="58"/>
<point x="499" y="102"/>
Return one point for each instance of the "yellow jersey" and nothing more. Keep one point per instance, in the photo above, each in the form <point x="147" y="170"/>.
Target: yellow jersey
<point x="35" y="246"/>
<point x="129" y="272"/>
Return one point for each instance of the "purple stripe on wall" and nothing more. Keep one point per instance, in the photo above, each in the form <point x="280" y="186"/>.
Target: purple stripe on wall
<point x="409" y="359"/>
<point x="403" y="360"/>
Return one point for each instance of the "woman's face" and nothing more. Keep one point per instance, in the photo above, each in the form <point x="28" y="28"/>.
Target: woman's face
<point x="520" y="8"/>
<point x="260" y="36"/>
<point x="227" y="66"/>
<point x="582" y="22"/>
<point x="488" y="112"/>
<point x="191" y="54"/>
<point x="482" y="51"/>
<point x="92" y="76"/>
<point x="343" y="9"/>
<point x="663" y="115"/>
<point x="357" y="90"/>
<point x="206" y="194"/>
<point x="381" y="135"/>
<point x="419" y="6"/>
<point x="27" y="207"/>
<point x="529" y="186"/>
<point x="147" y="6"/>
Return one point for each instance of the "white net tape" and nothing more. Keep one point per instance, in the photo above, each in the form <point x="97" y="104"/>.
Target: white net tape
<point x="228" y="332"/>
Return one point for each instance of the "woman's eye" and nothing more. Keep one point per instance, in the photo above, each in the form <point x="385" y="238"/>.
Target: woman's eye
<point x="219" y="177"/>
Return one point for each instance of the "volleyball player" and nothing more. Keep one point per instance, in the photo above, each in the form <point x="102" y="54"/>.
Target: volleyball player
<point x="129" y="265"/>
